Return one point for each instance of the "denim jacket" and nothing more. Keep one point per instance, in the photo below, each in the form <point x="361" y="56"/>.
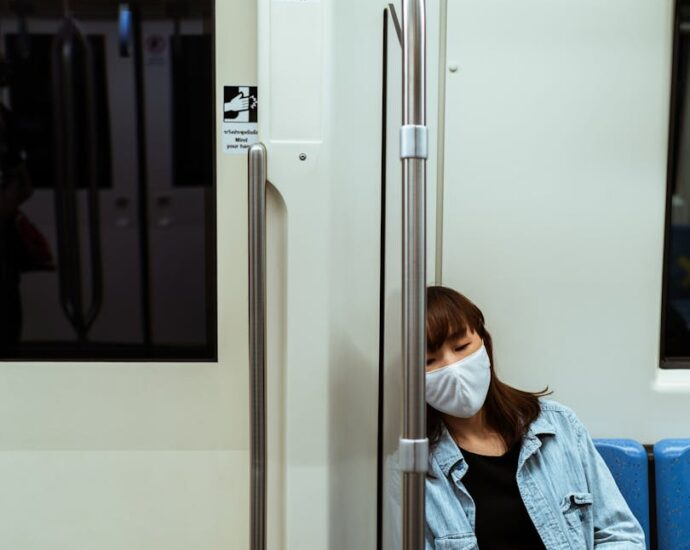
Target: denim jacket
<point x="567" y="489"/>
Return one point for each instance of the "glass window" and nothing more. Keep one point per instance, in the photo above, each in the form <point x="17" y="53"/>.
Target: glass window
<point x="675" y="338"/>
<point x="107" y="194"/>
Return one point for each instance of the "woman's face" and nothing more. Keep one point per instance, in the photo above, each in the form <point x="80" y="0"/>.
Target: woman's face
<point x="452" y="350"/>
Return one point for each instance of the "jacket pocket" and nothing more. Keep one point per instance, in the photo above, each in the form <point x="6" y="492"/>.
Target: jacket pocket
<point x="577" y="511"/>
<point x="456" y="542"/>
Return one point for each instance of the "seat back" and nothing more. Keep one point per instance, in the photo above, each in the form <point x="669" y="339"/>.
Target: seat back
<point x="627" y="460"/>
<point x="672" y="477"/>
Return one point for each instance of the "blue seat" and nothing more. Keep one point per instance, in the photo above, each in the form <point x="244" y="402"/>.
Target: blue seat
<point x="672" y="475"/>
<point x="627" y="460"/>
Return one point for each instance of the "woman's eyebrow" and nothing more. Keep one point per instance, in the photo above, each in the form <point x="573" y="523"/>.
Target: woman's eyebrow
<point x="457" y="335"/>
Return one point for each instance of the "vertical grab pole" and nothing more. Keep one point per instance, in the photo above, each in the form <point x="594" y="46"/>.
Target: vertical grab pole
<point x="414" y="445"/>
<point x="257" y="342"/>
<point x="69" y="40"/>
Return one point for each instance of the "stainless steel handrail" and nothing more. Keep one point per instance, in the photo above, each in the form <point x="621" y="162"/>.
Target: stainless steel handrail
<point x="94" y="175"/>
<point x="414" y="444"/>
<point x="67" y="159"/>
<point x="257" y="341"/>
<point x="65" y="186"/>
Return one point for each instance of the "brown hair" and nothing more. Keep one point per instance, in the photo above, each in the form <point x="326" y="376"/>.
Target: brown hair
<point x="508" y="410"/>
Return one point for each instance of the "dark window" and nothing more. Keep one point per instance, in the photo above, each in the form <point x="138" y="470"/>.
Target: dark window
<point x="124" y="270"/>
<point x="675" y="337"/>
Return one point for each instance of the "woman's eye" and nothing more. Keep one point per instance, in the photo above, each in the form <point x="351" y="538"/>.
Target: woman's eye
<point x="460" y="348"/>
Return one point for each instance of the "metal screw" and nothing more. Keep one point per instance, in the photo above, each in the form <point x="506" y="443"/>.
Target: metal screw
<point x="302" y="156"/>
<point x="453" y="68"/>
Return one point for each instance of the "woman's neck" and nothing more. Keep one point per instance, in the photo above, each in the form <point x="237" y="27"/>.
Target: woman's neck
<point x="475" y="435"/>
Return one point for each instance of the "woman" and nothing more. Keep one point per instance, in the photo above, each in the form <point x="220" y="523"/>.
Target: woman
<point x="507" y="470"/>
<point x="15" y="189"/>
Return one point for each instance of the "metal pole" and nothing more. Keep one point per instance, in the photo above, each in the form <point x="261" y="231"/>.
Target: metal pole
<point x="257" y="342"/>
<point x="414" y="445"/>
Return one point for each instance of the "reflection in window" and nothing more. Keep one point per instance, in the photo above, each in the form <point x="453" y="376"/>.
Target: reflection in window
<point x="675" y="341"/>
<point x="107" y="195"/>
<point x="30" y="95"/>
<point x="193" y="112"/>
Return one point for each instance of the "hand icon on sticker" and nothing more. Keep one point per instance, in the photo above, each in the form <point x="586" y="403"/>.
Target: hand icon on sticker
<point x="240" y="104"/>
<point x="237" y="104"/>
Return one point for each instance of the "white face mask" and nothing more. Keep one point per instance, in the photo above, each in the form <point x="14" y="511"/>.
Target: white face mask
<point x="460" y="389"/>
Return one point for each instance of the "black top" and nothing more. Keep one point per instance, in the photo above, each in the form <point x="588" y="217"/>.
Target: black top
<point x="502" y="522"/>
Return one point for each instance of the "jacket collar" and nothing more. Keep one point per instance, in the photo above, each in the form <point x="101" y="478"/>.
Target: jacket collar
<point x="447" y="453"/>
<point x="541" y="426"/>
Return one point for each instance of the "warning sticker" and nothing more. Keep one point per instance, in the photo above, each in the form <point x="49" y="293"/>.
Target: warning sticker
<point x="240" y="115"/>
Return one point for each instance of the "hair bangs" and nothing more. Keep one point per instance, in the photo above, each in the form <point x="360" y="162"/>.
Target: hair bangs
<point x="444" y="319"/>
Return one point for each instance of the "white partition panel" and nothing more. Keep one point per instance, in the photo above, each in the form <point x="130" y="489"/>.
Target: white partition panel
<point x="555" y="182"/>
<point x="320" y="83"/>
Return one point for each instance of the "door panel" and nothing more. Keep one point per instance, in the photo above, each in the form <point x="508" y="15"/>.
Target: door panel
<point x="142" y="455"/>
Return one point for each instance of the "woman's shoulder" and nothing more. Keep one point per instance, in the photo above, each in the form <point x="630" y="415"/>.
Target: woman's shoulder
<point x="549" y="405"/>
<point x="559" y="415"/>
